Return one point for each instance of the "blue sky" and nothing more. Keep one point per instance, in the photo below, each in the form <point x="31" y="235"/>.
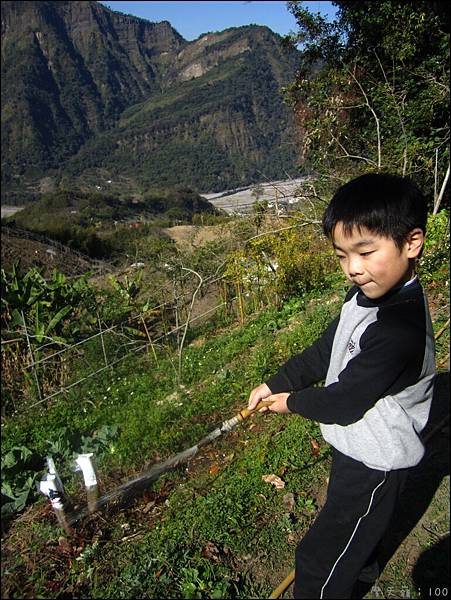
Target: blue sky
<point x="191" y="19"/>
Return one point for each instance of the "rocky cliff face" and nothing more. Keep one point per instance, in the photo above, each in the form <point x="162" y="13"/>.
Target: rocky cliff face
<point x="83" y="87"/>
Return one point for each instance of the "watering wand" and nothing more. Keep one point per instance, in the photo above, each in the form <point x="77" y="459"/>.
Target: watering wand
<point x="243" y="414"/>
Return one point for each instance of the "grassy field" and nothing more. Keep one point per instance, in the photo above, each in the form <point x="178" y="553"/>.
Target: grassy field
<point x="212" y="528"/>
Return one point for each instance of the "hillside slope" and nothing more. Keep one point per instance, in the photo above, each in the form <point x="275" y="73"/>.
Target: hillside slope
<point x="214" y="528"/>
<point x="91" y="95"/>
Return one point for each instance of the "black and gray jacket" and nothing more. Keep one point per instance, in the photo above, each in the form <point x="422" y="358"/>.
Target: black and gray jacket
<point x="378" y="361"/>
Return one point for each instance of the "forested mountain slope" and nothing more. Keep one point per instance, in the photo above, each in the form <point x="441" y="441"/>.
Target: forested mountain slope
<point x="93" y="95"/>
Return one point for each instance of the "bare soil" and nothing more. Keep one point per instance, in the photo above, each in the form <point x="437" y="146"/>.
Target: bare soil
<point x="194" y="236"/>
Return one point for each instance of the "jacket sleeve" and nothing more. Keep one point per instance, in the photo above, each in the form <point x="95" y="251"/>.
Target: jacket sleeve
<point x="306" y="368"/>
<point x="389" y="361"/>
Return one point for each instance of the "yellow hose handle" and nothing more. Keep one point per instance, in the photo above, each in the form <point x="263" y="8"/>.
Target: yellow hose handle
<point x="283" y="586"/>
<point x="246" y="412"/>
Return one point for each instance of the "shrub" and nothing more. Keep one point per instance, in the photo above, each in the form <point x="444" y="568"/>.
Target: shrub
<point x="434" y="264"/>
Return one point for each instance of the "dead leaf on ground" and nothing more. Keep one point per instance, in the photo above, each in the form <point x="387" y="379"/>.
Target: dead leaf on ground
<point x="148" y="506"/>
<point x="274" y="480"/>
<point x="288" y="501"/>
<point x="64" y="547"/>
<point x="315" y="447"/>
<point x="214" y="470"/>
<point x="210" y="551"/>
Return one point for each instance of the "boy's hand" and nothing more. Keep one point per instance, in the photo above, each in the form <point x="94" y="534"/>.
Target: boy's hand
<point x="261" y="392"/>
<point x="279" y="403"/>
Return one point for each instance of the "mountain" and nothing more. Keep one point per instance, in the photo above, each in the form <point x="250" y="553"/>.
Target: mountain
<point x="90" y="96"/>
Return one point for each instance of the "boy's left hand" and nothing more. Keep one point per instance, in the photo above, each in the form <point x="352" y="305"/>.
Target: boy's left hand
<point x="279" y="404"/>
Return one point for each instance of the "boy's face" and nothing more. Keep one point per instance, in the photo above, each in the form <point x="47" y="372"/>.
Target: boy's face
<point x="374" y="263"/>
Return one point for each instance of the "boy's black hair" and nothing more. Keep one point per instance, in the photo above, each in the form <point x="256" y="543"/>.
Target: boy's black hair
<point x="388" y="205"/>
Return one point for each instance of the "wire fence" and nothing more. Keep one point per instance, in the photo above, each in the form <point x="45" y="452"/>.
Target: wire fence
<point x="116" y="344"/>
<point x="113" y="344"/>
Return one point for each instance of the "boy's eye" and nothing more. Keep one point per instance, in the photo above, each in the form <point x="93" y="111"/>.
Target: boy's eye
<point x="340" y="256"/>
<point x="366" y="253"/>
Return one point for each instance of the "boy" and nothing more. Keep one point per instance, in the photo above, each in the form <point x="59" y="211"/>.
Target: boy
<point x="377" y="359"/>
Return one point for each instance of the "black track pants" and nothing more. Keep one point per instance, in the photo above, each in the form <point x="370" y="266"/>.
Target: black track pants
<point x="360" y="502"/>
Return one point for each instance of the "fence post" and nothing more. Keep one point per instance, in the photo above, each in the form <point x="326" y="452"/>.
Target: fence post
<point x="143" y="321"/>
<point x="225" y="299"/>
<point x="32" y="356"/>
<point x="105" y="358"/>
<point x="240" y="302"/>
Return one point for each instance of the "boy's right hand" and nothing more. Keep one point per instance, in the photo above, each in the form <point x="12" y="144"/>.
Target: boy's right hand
<point x="259" y="393"/>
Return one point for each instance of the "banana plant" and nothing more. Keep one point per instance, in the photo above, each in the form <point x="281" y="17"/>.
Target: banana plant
<point x="49" y="308"/>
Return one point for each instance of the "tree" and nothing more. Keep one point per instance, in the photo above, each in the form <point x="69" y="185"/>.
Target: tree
<point x="372" y="93"/>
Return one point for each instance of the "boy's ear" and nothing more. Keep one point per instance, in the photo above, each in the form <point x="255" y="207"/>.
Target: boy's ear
<point x="415" y="241"/>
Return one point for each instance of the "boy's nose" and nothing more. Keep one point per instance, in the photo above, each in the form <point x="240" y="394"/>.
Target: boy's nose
<point x="355" y="267"/>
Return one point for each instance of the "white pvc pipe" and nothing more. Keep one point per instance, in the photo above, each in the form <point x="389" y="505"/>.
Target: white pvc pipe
<point x="53" y="471"/>
<point x="49" y="488"/>
<point x="84" y="463"/>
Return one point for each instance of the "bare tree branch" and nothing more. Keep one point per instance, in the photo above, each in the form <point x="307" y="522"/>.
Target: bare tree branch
<point x="347" y="155"/>
<point x="188" y="318"/>
<point x="376" y="119"/>
<point x="404" y="135"/>
<point x="442" y="191"/>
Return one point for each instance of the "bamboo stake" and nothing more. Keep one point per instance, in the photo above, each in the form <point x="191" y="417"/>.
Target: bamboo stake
<point x="102" y="341"/>
<point x="435" y="176"/>
<point x="439" y="333"/>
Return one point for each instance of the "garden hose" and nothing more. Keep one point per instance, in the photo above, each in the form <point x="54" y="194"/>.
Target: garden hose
<point x="154" y="471"/>
<point x="246" y="412"/>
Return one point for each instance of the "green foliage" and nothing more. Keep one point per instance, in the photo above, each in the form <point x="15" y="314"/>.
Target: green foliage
<point x="106" y="226"/>
<point x="204" y="582"/>
<point x="65" y="444"/>
<point x="38" y="313"/>
<point x="378" y="97"/>
<point x="55" y="310"/>
<point x="20" y="467"/>
<point x="281" y="266"/>
<point x="434" y="263"/>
